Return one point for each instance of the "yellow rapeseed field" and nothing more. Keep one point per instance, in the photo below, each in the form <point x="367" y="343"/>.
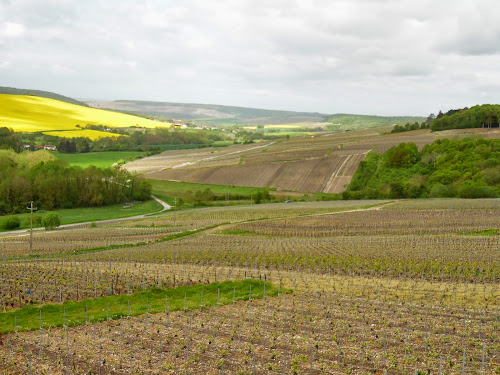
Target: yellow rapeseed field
<point x="32" y="113"/>
<point x="85" y="133"/>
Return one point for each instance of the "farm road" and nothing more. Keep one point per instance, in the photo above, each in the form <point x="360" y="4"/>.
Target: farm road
<point x="218" y="156"/>
<point x="371" y="208"/>
<point x="25" y="232"/>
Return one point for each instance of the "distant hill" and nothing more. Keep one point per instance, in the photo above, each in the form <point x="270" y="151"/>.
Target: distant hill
<point x="343" y="121"/>
<point x="43" y="94"/>
<point x="209" y="112"/>
<point x="479" y="116"/>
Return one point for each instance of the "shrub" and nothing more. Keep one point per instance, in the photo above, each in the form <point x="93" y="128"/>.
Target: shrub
<point x="11" y="222"/>
<point x="468" y="190"/>
<point x="51" y="221"/>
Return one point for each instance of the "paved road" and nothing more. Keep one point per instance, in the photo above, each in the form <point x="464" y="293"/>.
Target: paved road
<point x="25" y="232"/>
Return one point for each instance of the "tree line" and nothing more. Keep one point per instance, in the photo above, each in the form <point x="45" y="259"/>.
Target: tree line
<point x="479" y="116"/>
<point x="53" y="184"/>
<point x="468" y="168"/>
<point x="9" y="140"/>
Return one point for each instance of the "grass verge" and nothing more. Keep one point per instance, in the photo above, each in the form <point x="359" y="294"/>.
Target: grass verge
<point x="71" y="313"/>
<point x="103" y="159"/>
<point x="81" y="215"/>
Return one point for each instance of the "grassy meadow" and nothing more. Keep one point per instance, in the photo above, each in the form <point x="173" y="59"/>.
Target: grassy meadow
<point x="76" y="313"/>
<point x="25" y="113"/>
<point x="81" y="215"/>
<point x="103" y="159"/>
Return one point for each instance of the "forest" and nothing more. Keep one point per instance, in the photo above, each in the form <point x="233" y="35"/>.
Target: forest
<point x="52" y="184"/>
<point x="468" y="168"/>
<point x="479" y="116"/>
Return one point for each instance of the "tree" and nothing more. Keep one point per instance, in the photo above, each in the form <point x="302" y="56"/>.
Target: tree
<point x="51" y="221"/>
<point x="403" y="155"/>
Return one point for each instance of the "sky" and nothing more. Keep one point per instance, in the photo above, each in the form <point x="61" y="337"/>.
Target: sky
<point x="381" y="57"/>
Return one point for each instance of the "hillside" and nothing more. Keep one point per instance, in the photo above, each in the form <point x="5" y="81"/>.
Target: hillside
<point x="43" y="94"/>
<point x="38" y="114"/>
<point x="209" y="112"/>
<point x="343" y="121"/>
<point x="467" y="168"/>
<point x="321" y="163"/>
<point x="479" y="116"/>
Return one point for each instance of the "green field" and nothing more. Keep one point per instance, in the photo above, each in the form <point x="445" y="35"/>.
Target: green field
<point x="81" y="215"/>
<point x="98" y="159"/>
<point x="168" y="190"/>
<point x="72" y="313"/>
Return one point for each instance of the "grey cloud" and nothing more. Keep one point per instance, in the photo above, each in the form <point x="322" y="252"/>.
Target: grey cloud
<point x="364" y="56"/>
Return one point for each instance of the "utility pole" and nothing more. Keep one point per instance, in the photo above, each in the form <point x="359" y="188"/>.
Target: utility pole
<point x="226" y="196"/>
<point x="175" y="210"/>
<point x="31" y="227"/>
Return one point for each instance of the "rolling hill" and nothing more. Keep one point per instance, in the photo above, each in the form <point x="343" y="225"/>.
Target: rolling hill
<point x="341" y="121"/>
<point x="43" y="94"/>
<point x="26" y="113"/>
<point x="221" y="114"/>
<point x="322" y="163"/>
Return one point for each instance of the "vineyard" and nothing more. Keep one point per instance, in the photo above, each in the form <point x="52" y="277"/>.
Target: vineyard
<point x="321" y="163"/>
<point x="354" y="287"/>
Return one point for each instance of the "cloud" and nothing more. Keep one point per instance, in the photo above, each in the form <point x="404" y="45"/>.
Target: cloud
<point x="12" y="30"/>
<point x="364" y="56"/>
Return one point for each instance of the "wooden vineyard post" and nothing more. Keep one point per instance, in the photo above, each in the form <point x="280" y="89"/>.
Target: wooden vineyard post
<point x="67" y="351"/>
<point x="187" y="337"/>
<point x="167" y="312"/>
<point x="100" y="350"/>
<point x="147" y="315"/>
<point x="160" y="346"/>
<point x="40" y="352"/>
<point x="131" y="354"/>
<point x="463" y="362"/>
<point x="311" y="361"/>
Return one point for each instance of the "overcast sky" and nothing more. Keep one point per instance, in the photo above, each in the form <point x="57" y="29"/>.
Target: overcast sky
<point x="385" y="57"/>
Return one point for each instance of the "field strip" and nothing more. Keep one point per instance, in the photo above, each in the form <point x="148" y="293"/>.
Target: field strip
<point x="71" y="313"/>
